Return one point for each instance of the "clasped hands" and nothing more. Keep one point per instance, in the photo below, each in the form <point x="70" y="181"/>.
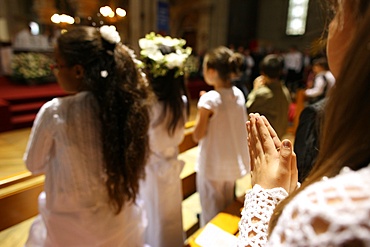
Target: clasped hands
<point x="273" y="162"/>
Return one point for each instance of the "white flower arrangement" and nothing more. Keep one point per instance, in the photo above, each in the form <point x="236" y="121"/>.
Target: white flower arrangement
<point x="30" y="66"/>
<point x="161" y="54"/>
<point x="110" y="34"/>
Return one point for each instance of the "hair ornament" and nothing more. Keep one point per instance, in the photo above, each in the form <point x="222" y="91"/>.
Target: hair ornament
<point x="104" y="73"/>
<point x="110" y="34"/>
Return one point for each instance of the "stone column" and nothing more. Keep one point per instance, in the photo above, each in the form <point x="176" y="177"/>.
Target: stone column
<point x="44" y="9"/>
<point x="142" y="14"/>
<point x="219" y="23"/>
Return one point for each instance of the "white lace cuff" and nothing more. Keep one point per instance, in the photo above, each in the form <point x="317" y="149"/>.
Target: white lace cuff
<point x="259" y="205"/>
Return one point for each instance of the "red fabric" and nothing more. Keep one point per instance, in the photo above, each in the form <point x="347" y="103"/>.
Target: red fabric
<point x="13" y="91"/>
<point x="291" y="112"/>
<point x="195" y="86"/>
<point x="19" y="103"/>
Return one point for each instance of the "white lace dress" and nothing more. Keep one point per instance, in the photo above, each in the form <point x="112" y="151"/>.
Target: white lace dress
<point x="332" y="212"/>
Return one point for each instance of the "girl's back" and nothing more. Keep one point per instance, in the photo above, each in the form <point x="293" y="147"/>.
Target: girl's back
<point x="76" y="209"/>
<point x="223" y="150"/>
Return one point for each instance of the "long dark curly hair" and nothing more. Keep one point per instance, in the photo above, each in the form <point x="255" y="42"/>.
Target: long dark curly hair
<point x="122" y="94"/>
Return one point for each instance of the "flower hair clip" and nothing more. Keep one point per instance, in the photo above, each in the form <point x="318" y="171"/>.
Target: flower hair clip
<point x="104" y="73"/>
<point x="110" y="34"/>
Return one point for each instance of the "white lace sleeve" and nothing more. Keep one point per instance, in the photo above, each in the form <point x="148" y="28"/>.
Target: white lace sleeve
<point x="332" y="212"/>
<point x="259" y="205"/>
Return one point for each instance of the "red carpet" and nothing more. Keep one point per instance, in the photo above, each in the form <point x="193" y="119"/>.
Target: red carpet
<point x="20" y="103"/>
<point x="17" y="92"/>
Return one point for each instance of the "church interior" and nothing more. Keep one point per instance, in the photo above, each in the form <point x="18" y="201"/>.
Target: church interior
<point x="261" y="27"/>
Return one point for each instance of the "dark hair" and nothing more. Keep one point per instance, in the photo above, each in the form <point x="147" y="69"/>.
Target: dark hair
<point x="123" y="110"/>
<point x="322" y="62"/>
<point x="347" y="112"/>
<point x="170" y="91"/>
<point x="224" y="61"/>
<point x="240" y="61"/>
<point x="272" y="66"/>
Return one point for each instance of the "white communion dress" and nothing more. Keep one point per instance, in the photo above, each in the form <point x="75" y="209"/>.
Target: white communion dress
<point x="74" y="207"/>
<point x="161" y="190"/>
<point x="331" y="212"/>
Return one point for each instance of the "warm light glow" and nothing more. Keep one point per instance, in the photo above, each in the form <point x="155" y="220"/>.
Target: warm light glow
<point x="67" y="19"/>
<point x="106" y="11"/>
<point x="55" y="19"/>
<point x="121" y="12"/>
<point x="114" y="15"/>
<point x="111" y="14"/>
<point x="63" y="18"/>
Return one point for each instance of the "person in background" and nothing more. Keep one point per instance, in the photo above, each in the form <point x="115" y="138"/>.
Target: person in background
<point x="238" y="79"/>
<point x="293" y="65"/>
<point x="92" y="146"/>
<point x="269" y="96"/>
<point x="161" y="190"/>
<point x="322" y="82"/>
<point x="332" y="206"/>
<point x="249" y="67"/>
<point x="306" y="140"/>
<point x="220" y="130"/>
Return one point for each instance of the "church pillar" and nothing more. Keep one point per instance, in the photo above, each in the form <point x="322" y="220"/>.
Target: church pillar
<point x="219" y="23"/>
<point x="142" y="20"/>
<point x="44" y="10"/>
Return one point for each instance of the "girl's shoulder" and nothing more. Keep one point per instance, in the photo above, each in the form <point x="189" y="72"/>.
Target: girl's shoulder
<point x="67" y="101"/>
<point x="338" y="206"/>
<point x="209" y="95"/>
<point x="348" y="184"/>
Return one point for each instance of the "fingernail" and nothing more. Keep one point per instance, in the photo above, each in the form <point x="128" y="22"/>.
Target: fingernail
<point x="286" y="144"/>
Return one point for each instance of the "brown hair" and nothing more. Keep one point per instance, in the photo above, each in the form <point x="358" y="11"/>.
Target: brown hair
<point x="321" y="62"/>
<point x="123" y="109"/>
<point x="345" y="133"/>
<point x="224" y="61"/>
<point x="272" y="66"/>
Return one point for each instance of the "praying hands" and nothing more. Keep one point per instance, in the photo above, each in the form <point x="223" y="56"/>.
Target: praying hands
<point x="273" y="163"/>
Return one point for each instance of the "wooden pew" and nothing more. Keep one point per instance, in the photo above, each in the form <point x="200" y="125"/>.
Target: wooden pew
<point x="18" y="202"/>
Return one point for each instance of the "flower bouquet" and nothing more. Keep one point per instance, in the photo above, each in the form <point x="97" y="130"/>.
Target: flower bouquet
<point x="163" y="54"/>
<point x="32" y="68"/>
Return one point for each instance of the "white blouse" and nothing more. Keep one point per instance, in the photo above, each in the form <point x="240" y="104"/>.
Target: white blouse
<point x="331" y="212"/>
<point x="75" y="210"/>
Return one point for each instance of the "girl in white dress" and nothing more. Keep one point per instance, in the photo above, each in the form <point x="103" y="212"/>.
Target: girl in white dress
<point x="92" y="146"/>
<point x="220" y="129"/>
<point x="161" y="190"/>
<point x="332" y="206"/>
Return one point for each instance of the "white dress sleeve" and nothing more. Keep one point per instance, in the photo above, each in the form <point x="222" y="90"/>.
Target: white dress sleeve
<point x="259" y="205"/>
<point x="331" y="212"/>
<point x="40" y="140"/>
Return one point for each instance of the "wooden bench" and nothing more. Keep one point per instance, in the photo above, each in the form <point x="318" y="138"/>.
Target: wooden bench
<point x="227" y="220"/>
